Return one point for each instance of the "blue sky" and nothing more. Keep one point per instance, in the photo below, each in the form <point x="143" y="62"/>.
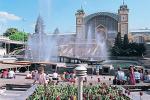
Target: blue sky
<point x="22" y="14"/>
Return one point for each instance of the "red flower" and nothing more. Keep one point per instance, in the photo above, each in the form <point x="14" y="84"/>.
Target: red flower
<point x="84" y="95"/>
<point x="91" y="97"/>
<point x="71" y="98"/>
<point x="111" y="97"/>
<point x="120" y="93"/>
<point x="58" y="98"/>
<point x="98" y="98"/>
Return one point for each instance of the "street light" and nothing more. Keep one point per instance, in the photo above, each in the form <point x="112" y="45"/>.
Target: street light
<point x="80" y="73"/>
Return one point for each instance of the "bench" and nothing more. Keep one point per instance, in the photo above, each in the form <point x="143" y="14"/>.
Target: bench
<point x="12" y="86"/>
<point x="142" y="87"/>
<point x="131" y="87"/>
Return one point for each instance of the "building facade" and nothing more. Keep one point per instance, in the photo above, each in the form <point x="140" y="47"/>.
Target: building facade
<point x="105" y="23"/>
<point x="94" y="33"/>
<point x="139" y="36"/>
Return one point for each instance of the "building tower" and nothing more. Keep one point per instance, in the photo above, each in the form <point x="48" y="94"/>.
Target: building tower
<point x="80" y="24"/>
<point x="123" y="24"/>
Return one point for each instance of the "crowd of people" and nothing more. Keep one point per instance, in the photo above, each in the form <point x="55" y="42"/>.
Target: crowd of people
<point x="68" y="76"/>
<point x="40" y="77"/>
<point x="131" y="77"/>
<point x="7" y="74"/>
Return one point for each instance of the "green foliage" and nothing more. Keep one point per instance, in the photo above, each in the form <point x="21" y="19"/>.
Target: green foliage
<point x="19" y="36"/>
<point x="118" y="40"/>
<point x="70" y="92"/>
<point x="15" y="34"/>
<point x="125" y="42"/>
<point x="10" y="31"/>
<point x="124" y="48"/>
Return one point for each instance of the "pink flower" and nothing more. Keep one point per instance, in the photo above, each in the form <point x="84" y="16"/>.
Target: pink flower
<point x="58" y="98"/>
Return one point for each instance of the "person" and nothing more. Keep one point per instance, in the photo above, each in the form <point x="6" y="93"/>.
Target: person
<point x="145" y="74"/>
<point x="141" y="74"/>
<point x="55" y="76"/>
<point x="34" y="72"/>
<point x="147" y="77"/>
<point x="67" y="76"/>
<point x="120" y="77"/>
<point x="11" y="74"/>
<point x="40" y="77"/>
<point x="5" y="73"/>
<point x="29" y="76"/>
<point x="137" y="76"/>
<point x="131" y="75"/>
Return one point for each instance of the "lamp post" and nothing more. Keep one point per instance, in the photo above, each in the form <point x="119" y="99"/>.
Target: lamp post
<point x="80" y="73"/>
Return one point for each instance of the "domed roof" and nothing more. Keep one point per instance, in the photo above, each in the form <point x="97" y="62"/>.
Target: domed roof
<point x="112" y="15"/>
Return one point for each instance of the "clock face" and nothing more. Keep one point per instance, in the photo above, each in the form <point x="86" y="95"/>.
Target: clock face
<point x="79" y="21"/>
<point x="124" y="18"/>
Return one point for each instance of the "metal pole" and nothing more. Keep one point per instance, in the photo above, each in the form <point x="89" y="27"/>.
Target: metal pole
<point x="80" y="73"/>
<point x="80" y="88"/>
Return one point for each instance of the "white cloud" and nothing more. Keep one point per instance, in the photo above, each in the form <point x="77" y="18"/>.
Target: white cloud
<point x="8" y="16"/>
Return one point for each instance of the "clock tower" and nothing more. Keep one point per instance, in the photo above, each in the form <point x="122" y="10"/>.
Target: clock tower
<point x="123" y="24"/>
<point x="80" y="24"/>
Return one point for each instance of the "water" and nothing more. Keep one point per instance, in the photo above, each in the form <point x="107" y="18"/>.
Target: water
<point x="42" y="47"/>
<point x="101" y="43"/>
<point x="96" y="47"/>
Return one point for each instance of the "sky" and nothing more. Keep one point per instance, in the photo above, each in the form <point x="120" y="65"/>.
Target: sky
<point x="22" y="14"/>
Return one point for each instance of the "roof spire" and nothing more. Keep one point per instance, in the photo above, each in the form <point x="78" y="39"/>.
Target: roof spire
<point x="123" y="2"/>
<point x="81" y="7"/>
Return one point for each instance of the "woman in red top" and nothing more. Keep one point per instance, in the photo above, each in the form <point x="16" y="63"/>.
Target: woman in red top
<point x="132" y="78"/>
<point x="5" y="73"/>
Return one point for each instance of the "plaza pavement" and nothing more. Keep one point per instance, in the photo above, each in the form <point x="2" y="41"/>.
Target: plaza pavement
<point x="13" y="94"/>
<point x="20" y="79"/>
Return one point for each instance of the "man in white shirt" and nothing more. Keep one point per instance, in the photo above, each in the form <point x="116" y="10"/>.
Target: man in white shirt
<point x="137" y="76"/>
<point x="120" y="76"/>
<point x="11" y="74"/>
<point x="55" y="76"/>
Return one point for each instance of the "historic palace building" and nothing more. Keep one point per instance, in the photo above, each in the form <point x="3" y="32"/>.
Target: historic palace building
<point x="106" y="23"/>
<point x="95" y="33"/>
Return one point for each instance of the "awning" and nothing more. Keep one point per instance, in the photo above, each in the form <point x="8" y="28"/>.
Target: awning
<point x="6" y="66"/>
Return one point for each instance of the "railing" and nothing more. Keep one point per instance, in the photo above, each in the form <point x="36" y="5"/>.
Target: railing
<point x="27" y="93"/>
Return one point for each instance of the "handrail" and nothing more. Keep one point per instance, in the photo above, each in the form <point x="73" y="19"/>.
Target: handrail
<point x="27" y="93"/>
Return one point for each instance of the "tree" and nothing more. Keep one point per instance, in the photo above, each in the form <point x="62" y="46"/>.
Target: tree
<point x="126" y="48"/>
<point x="117" y="48"/>
<point x="10" y="31"/>
<point x="125" y="42"/>
<point x="118" y="40"/>
<point x="19" y="36"/>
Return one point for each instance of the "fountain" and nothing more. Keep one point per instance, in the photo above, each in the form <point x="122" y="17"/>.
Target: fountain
<point x="42" y="47"/>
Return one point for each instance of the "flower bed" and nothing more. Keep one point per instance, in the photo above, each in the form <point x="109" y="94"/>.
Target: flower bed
<point x="69" y="92"/>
